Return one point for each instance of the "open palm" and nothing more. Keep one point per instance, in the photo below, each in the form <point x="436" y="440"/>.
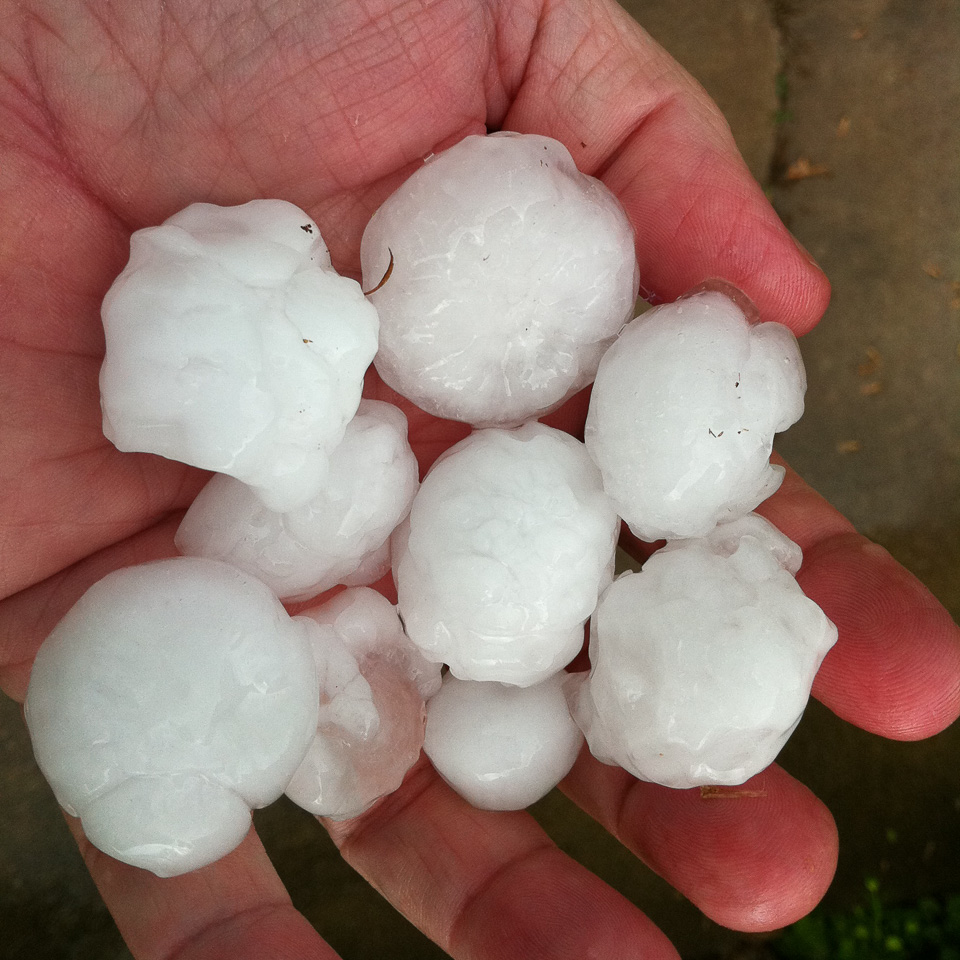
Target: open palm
<point x="114" y="116"/>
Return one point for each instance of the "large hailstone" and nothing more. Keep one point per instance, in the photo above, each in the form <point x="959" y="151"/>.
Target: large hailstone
<point x="501" y="747"/>
<point x="170" y="700"/>
<point x="339" y="536"/>
<point x="702" y="662"/>
<point x="233" y="345"/>
<point x="511" y="274"/>
<point x="683" y="413"/>
<point x="508" y="545"/>
<point x="373" y="686"/>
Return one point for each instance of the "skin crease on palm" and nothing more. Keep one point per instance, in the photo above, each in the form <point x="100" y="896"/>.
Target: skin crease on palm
<point x="112" y="117"/>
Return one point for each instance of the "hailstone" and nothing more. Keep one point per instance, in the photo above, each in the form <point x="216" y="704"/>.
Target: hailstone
<point x="509" y="542"/>
<point x="683" y="414"/>
<point x="172" y="698"/>
<point x="702" y="662"/>
<point x="508" y="273"/>
<point x="233" y="345"/>
<point x="341" y="534"/>
<point x="370" y="727"/>
<point x="501" y="747"/>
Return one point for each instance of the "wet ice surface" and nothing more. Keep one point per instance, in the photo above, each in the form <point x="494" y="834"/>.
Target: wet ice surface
<point x="373" y="684"/>
<point x="172" y="698"/>
<point x="702" y="663"/>
<point x="501" y="747"/>
<point x="233" y="345"/>
<point x="512" y="272"/>
<point x="508" y="544"/>
<point x="683" y="414"/>
<point x="340" y="535"/>
<point x="177" y="696"/>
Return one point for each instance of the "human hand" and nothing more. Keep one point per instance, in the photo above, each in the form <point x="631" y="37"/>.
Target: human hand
<point x="113" y="120"/>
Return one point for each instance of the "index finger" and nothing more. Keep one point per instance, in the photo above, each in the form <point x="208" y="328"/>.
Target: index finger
<point x="632" y="116"/>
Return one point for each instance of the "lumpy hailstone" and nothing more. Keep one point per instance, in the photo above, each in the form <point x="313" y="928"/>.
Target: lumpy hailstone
<point x="336" y="537"/>
<point x="512" y="273"/>
<point x="702" y="662"/>
<point x="233" y="345"/>
<point x="500" y="747"/>
<point x="373" y="686"/>
<point x="508" y="544"/>
<point x="683" y="414"/>
<point x="170" y="700"/>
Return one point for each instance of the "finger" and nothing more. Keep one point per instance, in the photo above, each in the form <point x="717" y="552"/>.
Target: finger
<point x="754" y="857"/>
<point x="234" y="909"/>
<point x="895" y="669"/>
<point x="489" y="886"/>
<point x="629" y="113"/>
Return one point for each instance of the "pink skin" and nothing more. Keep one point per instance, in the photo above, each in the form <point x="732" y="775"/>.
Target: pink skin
<point x="113" y="116"/>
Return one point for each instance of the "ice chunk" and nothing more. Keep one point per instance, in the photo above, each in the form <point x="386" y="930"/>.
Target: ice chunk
<point x="171" y="699"/>
<point x="373" y="566"/>
<point x="233" y="345"/>
<point x="683" y="414"/>
<point x="501" y="747"/>
<point x="373" y="686"/>
<point x="702" y="662"/>
<point x="508" y="545"/>
<point x="511" y="274"/>
<point x="339" y="535"/>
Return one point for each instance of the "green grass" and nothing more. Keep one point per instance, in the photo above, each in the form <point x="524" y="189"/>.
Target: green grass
<point x="782" y="114"/>
<point x="872" y="930"/>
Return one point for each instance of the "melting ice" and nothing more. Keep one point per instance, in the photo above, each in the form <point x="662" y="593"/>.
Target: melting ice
<point x="683" y="413"/>
<point x="508" y="544"/>
<point x="511" y="274"/>
<point x="501" y="747"/>
<point x="233" y="345"/>
<point x="373" y="684"/>
<point x="340" y="536"/>
<point x="170" y="700"/>
<point x="703" y="661"/>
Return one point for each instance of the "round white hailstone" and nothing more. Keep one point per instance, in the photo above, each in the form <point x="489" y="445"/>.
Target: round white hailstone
<point x="501" y="747"/>
<point x="372" y="568"/>
<point x="702" y="662"/>
<point x="373" y="686"/>
<point x="507" y="547"/>
<point x="172" y="699"/>
<point x="233" y="345"/>
<point x="511" y="274"/>
<point x="341" y="534"/>
<point x="683" y="414"/>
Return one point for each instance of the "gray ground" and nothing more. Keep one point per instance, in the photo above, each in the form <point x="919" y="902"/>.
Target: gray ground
<point x="867" y="94"/>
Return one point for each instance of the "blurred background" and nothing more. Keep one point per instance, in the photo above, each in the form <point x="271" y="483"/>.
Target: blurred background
<point x="848" y="112"/>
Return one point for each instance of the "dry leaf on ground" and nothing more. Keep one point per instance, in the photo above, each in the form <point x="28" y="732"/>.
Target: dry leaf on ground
<point x="803" y="169"/>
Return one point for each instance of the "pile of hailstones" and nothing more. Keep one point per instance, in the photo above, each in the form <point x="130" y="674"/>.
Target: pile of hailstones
<point x="177" y="695"/>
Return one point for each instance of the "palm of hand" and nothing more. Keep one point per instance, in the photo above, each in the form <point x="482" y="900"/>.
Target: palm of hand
<point x="207" y="114"/>
<point x="113" y="124"/>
